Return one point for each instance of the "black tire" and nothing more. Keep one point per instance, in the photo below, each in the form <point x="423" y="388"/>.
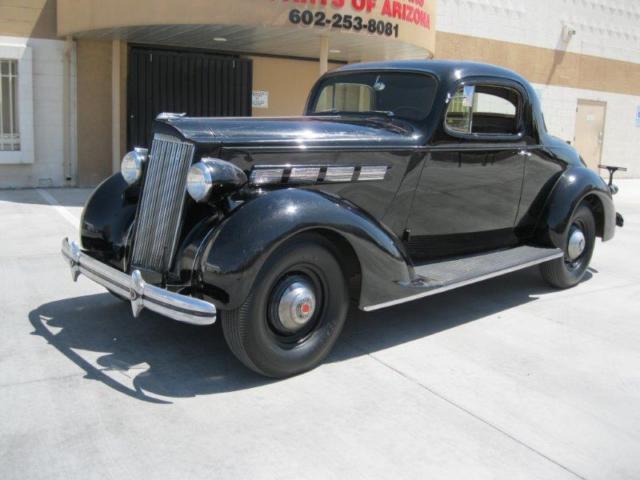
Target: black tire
<point x="256" y="338"/>
<point x="566" y="272"/>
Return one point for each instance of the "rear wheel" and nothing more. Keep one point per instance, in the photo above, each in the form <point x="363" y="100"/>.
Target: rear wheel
<point x="579" y="242"/>
<point x="295" y="312"/>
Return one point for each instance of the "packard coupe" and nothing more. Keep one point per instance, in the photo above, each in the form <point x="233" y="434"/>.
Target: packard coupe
<point x="402" y="180"/>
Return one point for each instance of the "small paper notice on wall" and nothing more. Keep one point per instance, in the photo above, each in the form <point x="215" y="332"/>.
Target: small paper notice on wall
<point x="638" y="116"/>
<point x="260" y="99"/>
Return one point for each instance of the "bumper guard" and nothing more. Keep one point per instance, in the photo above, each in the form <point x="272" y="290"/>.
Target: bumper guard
<point x="173" y="305"/>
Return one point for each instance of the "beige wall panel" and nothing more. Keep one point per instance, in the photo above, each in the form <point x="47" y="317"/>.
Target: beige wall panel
<point x="124" y="69"/>
<point x="545" y="66"/>
<point x="288" y="82"/>
<point x="94" y="111"/>
<point x="28" y="18"/>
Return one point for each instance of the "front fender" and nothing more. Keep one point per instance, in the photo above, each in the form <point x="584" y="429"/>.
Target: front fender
<point x="106" y="220"/>
<point x="573" y="187"/>
<point x="237" y="250"/>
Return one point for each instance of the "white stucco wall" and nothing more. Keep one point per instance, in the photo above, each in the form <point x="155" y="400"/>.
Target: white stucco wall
<point x="621" y="136"/>
<point x="48" y="167"/>
<point x="604" y="28"/>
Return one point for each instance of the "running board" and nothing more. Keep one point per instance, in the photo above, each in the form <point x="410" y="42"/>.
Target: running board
<point x="444" y="275"/>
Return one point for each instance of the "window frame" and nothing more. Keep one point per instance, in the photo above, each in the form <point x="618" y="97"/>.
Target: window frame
<point x="24" y="103"/>
<point x="13" y="120"/>
<point x="315" y="91"/>
<point x="523" y="100"/>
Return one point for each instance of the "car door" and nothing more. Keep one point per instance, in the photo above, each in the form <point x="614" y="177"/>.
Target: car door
<point x="470" y="187"/>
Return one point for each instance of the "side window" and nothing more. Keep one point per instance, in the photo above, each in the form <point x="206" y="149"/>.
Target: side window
<point x="484" y="109"/>
<point x="459" y="113"/>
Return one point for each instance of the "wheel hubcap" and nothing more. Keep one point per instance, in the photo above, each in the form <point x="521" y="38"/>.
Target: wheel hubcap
<point x="577" y="244"/>
<point x="296" y="306"/>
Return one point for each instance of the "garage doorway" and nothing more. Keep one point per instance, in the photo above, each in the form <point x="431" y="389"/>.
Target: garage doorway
<point x="197" y="83"/>
<point x="590" y="122"/>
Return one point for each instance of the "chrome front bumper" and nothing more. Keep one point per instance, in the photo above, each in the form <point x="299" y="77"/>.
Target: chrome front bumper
<point x="173" y="305"/>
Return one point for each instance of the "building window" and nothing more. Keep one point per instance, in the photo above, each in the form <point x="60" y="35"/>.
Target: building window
<point x="9" y="123"/>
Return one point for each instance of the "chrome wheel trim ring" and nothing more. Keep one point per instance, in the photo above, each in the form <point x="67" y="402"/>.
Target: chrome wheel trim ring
<point x="576" y="244"/>
<point x="296" y="306"/>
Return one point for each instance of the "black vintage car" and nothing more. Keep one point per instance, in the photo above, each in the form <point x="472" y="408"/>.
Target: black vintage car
<point x="402" y="180"/>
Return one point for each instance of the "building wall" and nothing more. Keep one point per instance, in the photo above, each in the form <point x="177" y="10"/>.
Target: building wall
<point x="32" y="25"/>
<point x="600" y="62"/>
<point x="94" y="112"/>
<point x="49" y="160"/>
<point x="288" y="82"/>
<point x="605" y="28"/>
<point x="621" y="136"/>
<point x="33" y="18"/>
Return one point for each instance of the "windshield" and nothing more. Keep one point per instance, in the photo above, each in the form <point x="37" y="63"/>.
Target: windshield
<point x="405" y="95"/>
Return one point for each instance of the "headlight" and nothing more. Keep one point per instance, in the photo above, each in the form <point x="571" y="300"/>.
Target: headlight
<point x="212" y="177"/>
<point x="131" y="167"/>
<point x="199" y="182"/>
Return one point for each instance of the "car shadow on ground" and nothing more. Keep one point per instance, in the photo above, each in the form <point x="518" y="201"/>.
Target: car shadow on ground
<point x="173" y="360"/>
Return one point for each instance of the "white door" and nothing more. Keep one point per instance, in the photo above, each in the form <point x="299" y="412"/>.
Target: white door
<point x="589" y="138"/>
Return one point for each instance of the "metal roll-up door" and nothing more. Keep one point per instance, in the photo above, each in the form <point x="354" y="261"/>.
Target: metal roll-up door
<point x="196" y="83"/>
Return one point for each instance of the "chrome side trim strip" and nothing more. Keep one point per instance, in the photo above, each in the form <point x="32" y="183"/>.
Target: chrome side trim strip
<point x="453" y="286"/>
<point x="339" y="174"/>
<point x="182" y="308"/>
<point x="315" y="174"/>
<point x="368" y="174"/>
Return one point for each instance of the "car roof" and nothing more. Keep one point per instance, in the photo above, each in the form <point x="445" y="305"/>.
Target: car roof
<point x="443" y="69"/>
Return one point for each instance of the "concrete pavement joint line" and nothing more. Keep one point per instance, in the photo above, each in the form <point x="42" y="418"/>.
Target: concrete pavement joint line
<point x="469" y="412"/>
<point x="104" y="370"/>
<point x="64" y="213"/>
<point x="40" y="380"/>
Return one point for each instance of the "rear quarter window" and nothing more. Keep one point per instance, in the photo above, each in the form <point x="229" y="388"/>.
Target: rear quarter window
<point x="484" y="109"/>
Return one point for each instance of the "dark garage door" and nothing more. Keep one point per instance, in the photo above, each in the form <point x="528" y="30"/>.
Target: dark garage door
<point x="196" y="83"/>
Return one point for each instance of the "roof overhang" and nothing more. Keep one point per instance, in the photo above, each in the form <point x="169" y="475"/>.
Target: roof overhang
<point x="259" y="26"/>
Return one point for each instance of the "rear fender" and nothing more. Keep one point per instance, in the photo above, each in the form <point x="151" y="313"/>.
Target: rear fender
<point x="574" y="186"/>
<point x="236" y="251"/>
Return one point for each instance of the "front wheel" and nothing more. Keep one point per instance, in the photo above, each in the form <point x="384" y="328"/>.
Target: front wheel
<point x="295" y="312"/>
<point x="579" y="242"/>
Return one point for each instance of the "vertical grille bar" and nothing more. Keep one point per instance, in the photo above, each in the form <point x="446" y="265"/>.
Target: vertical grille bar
<point x="162" y="203"/>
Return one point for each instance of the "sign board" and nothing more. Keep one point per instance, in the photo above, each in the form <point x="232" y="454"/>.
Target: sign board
<point x="406" y="21"/>
<point x="260" y="99"/>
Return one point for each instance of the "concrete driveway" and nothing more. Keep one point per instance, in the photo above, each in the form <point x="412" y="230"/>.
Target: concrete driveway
<point x="504" y="379"/>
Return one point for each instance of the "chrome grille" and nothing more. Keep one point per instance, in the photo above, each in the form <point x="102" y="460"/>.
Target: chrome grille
<point x="162" y="203"/>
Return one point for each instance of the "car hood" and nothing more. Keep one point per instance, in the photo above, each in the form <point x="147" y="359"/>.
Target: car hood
<point x="298" y="131"/>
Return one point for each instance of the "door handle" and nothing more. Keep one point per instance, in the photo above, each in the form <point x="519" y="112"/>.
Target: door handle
<point x="524" y="153"/>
